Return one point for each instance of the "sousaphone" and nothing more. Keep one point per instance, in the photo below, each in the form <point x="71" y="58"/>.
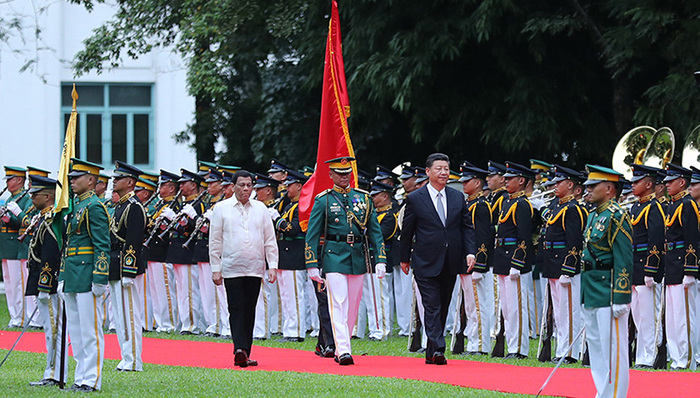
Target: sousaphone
<point x="631" y="149"/>
<point x="691" y="149"/>
<point x="660" y="149"/>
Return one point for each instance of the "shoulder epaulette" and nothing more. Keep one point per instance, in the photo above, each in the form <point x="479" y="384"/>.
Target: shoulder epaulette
<point x="323" y="193"/>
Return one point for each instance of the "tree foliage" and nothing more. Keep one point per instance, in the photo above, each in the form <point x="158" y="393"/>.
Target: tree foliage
<point x="477" y="79"/>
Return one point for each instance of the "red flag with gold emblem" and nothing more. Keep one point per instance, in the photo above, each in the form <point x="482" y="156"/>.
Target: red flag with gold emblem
<point x="333" y="136"/>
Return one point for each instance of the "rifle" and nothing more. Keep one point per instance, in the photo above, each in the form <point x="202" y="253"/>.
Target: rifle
<point x="179" y="217"/>
<point x="544" y="350"/>
<point x="158" y="221"/>
<point x="3" y="209"/>
<point x="500" y="347"/>
<point x="36" y="221"/>
<point x="661" y="352"/>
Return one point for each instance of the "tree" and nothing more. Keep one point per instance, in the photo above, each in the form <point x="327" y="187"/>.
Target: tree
<point x="477" y="79"/>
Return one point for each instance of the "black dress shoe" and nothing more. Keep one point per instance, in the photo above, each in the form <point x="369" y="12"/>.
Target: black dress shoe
<point x="329" y="352"/>
<point x="74" y="387"/>
<point x="516" y="355"/>
<point x="477" y="353"/>
<point x="251" y="362"/>
<point x="345" y="359"/>
<point x="642" y="367"/>
<point x="86" y="388"/>
<point x="318" y="350"/>
<point x="292" y="340"/>
<point x="44" y="382"/>
<point x="240" y="358"/>
<point x="185" y="333"/>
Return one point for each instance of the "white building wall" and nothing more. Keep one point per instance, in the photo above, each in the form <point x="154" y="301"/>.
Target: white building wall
<point x="31" y="126"/>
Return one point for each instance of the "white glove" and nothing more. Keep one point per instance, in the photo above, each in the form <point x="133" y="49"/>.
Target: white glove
<point x="381" y="270"/>
<point x="168" y="213"/>
<point x="14" y="208"/>
<point x="99" y="290"/>
<point x="43" y="297"/>
<point x="189" y="211"/>
<point x="207" y="214"/>
<point x="565" y="280"/>
<point x="126" y="281"/>
<point x="514" y="273"/>
<point x="649" y="281"/>
<point x="477" y="276"/>
<point x="315" y="275"/>
<point x="619" y="310"/>
<point x="688" y="281"/>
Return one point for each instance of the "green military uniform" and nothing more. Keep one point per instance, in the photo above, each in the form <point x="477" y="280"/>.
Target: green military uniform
<point x="606" y="286"/>
<point x="346" y="219"/>
<point x="607" y="257"/>
<point x="87" y="245"/>
<point x="341" y="215"/>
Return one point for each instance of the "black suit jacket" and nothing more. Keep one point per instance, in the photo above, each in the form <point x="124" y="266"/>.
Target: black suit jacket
<point x="426" y="242"/>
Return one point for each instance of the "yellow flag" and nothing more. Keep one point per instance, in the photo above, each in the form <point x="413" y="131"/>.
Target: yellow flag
<point x="63" y="186"/>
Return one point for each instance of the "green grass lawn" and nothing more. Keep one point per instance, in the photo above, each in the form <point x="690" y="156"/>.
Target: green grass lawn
<point x="160" y="380"/>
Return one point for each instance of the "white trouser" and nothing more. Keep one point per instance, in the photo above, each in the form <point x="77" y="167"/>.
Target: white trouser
<point x="214" y="304"/>
<point x="680" y="319"/>
<point x="421" y="315"/>
<point x="311" y="309"/>
<point x="382" y="294"/>
<point x="696" y="329"/>
<point x="15" y="278"/>
<point x="292" y="286"/>
<point x="161" y="284"/>
<point x="360" y="328"/>
<point x="144" y="293"/>
<point x="601" y="344"/>
<point x="189" y="301"/>
<point x="535" y="305"/>
<point x="50" y="317"/>
<point x="403" y="297"/>
<point x="127" y="307"/>
<point x="344" y="294"/>
<point x="452" y="308"/>
<point x="478" y="329"/>
<point x="261" y="330"/>
<point x="496" y="305"/>
<point x="646" y="320"/>
<point x="83" y="320"/>
<point x="513" y="301"/>
<point x="566" y="310"/>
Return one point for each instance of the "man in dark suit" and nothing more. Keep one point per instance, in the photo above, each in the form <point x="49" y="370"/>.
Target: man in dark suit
<point x="435" y="240"/>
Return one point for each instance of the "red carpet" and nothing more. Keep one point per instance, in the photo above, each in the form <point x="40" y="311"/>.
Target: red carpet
<point x="489" y="376"/>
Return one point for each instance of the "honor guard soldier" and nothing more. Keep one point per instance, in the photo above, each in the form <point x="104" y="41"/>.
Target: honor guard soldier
<point x="475" y="320"/>
<point x="145" y="191"/>
<point x="497" y="188"/>
<point x="647" y="245"/>
<point x="539" y="199"/>
<point x="342" y="216"/>
<point x="291" y="272"/>
<point x="44" y="261"/>
<point x="681" y="261"/>
<point x="278" y="171"/>
<point x="160" y="276"/>
<point x="403" y="288"/>
<point x="562" y="243"/>
<point x="127" y="266"/>
<point x="214" y="302"/>
<point x="268" y="317"/>
<point x="513" y="258"/>
<point x="186" y="271"/>
<point x="84" y="275"/>
<point x="13" y="271"/>
<point x="606" y="282"/>
<point x="382" y="289"/>
<point x="25" y="217"/>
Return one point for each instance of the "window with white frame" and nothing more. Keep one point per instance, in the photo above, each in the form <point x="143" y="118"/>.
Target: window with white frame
<point x="115" y="122"/>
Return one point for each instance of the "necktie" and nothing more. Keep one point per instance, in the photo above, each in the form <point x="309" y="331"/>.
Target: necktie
<point x="440" y="208"/>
